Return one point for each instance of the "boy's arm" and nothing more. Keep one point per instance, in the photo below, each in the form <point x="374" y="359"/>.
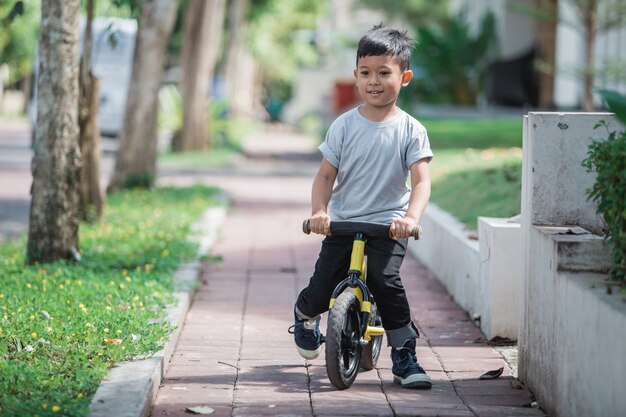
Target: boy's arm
<point x="420" y="194"/>
<point x="320" y="196"/>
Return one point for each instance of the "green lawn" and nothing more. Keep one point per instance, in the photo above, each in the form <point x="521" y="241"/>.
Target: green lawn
<point x="63" y="325"/>
<point x="477" y="166"/>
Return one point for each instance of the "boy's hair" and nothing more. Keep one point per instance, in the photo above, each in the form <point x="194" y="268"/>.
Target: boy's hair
<point x="386" y="41"/>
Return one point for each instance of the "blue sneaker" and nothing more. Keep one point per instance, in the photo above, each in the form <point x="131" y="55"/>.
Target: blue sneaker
<point x="406" y="371"/>
<point x="307" y="336"/>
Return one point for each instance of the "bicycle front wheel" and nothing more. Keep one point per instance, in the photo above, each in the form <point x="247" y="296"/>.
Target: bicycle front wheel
<point x="343" y="333"/>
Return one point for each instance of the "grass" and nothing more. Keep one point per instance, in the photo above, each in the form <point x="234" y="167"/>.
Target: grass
<point x="63" y="325"/>
<point x="477" y="166"/>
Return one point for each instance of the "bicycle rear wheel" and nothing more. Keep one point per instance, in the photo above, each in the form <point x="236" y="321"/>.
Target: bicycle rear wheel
<point x="371" y="351"/>
<point x="343" y="350"/>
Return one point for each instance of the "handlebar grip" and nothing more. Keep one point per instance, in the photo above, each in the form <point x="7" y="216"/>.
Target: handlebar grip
<point x="417" y="232"/>
<point x="306" y="226"/>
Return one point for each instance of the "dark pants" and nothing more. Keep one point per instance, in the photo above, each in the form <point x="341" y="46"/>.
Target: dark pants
<point x="384" y="258"/>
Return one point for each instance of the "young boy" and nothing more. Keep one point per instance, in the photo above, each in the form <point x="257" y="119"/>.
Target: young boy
<point x="370" y="151"/>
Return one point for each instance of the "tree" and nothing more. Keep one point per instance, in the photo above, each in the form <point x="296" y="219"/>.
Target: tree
<point x="239" y="66"/>
<point x="281" y="49"/>
<point x="597" y="16"/>
<point x="202" y="34"/>
<point x="136" y="158"/>
<point x="91" y="199"/>
<point x="594" y="17"/>
<point x="54" y="211"/>
<point x="416" y="12"/>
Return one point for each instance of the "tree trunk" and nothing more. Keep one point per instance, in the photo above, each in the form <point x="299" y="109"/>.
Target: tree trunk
<point x="590" y="22"/>
<point x="136" y="158"/>
<point x="201" y="44"/>
<point x="239" y="68"/>
<point x="54" y="211"/>
<point x="545" y="39"/>
<point x="91" y="199"/>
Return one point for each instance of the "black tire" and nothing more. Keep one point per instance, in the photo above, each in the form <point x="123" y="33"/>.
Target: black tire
<point x="371" y="351"/>
<point x="343" y="350"/>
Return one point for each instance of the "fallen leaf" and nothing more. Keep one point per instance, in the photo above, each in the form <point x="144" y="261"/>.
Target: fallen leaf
<point x="492" y="374"/>
<point x="201" y="409"/>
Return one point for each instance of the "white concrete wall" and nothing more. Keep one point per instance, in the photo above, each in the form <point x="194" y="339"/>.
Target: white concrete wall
<point x="571" y="345"/>
<point x="500" y="242"/>
<point x="572" y="337"/>
<point x="448" y="252"/>
<point x="483" y="276"/>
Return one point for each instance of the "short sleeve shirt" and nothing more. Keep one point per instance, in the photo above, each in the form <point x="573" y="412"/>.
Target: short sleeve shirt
<point x="373" y="160"/>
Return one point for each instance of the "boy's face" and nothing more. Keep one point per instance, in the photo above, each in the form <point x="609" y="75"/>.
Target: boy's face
<point x="379" y="79"/>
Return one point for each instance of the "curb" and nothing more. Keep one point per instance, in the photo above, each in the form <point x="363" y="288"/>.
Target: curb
<point x="130" y="388"/>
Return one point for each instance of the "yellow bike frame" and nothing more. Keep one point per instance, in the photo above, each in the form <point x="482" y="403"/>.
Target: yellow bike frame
<point x="357" y="278"/>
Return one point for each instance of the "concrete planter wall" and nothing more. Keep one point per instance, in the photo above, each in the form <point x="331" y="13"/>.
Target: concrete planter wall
<point x="483" y="279"/>
<point x="573" y="333"/>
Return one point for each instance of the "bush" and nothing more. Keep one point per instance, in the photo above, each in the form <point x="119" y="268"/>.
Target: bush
<point x="608" y="159"/>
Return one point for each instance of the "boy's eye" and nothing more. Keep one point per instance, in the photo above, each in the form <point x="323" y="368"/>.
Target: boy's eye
<point x="384" y="73"/>
<point x="364" y="73"/>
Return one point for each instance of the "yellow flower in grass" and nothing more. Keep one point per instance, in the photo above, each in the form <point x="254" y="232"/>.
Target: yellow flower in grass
<point x="49" y="329"/>
<point x="33" y="335"/>
<point x="56" y="408"/>
<point x="80" y="395"/>
<point x="106" y="330"/>
<point x="28" y="285"/>
<point x="87" y="324"/>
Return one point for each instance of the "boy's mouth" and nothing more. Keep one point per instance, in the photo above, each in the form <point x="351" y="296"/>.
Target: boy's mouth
<point x="375" y="92"/>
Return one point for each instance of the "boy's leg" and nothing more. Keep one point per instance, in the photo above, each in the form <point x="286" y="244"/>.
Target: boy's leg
<point x="330" y="268"/>
<point x="385" y="257"/>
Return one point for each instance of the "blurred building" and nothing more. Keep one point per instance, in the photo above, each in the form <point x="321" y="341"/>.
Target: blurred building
<point x="556" y="47"/>
<point x="538" y="62"/>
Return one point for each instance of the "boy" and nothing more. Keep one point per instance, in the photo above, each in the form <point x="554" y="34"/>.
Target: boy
<point x="370" y="151"/>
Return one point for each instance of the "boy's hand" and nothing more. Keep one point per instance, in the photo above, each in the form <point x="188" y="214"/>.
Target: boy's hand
<point x="320" y="223"/>
<point x="402" y="228"/>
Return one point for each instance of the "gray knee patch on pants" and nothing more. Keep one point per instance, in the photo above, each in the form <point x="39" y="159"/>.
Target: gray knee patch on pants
<point x="397" y="338"/>
<point x="303" y="316"/>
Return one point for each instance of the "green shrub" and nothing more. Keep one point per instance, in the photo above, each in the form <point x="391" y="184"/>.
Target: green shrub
<point x="607" y="158"/>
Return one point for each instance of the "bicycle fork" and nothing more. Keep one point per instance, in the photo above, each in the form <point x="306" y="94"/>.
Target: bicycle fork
<point x="356" y="281"/>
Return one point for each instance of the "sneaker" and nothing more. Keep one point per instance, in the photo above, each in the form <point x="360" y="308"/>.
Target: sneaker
<point x="307" y="336"/>
<point x="406" y="371"/>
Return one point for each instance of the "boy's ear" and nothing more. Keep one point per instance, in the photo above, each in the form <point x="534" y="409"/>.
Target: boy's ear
<point x="356" y="74"/>
<point x="407" y="76"/>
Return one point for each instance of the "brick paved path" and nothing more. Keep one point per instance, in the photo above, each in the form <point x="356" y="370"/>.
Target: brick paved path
<point x="234" y="354"/>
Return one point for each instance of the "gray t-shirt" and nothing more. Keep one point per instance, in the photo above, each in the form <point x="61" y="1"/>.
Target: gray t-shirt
<point x="373" y="161"/>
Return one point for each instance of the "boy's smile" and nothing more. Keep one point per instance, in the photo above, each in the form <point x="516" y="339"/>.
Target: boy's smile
<point x="379" y="79"/>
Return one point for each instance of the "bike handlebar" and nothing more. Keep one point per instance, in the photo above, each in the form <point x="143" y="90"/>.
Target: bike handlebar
<point x="349" y="228"/>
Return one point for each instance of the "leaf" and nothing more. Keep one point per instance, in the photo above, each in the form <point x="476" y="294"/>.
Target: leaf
<point x="201" y="409"/>
<point x="492" y="374"/>
<point x="615" y="101"/>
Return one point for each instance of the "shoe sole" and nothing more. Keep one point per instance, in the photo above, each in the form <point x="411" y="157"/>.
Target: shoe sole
<point x="309" y="354"/>
<point x="414" y="381"/>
